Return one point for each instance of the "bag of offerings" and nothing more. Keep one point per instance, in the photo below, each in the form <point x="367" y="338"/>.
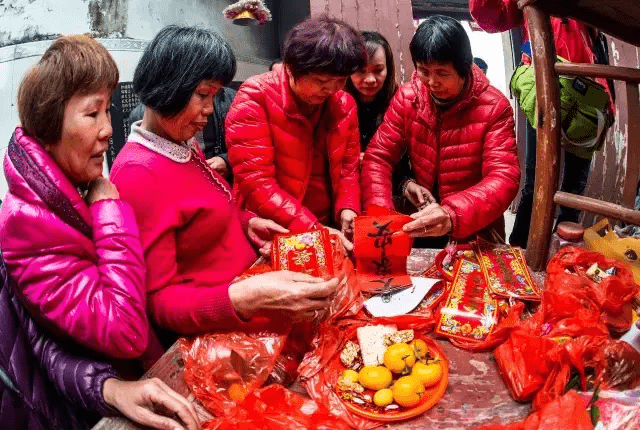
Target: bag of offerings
<point x="222" y="369"/>
<point x="571" y="331"/>
<point x="566" y="413"/>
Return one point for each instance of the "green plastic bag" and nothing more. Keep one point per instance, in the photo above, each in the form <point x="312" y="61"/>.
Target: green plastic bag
<point x="584" y="109"/>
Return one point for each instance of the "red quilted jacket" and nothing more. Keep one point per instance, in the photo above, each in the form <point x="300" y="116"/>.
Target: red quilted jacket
<point x="470" y="149"/>
<point x="270" y="147"/>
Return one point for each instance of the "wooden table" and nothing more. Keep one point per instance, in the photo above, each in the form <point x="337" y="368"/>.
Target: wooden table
<point x="476" y="394"/>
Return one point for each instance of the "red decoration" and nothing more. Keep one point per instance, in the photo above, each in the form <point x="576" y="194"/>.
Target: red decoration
<point x="308" y="252"/>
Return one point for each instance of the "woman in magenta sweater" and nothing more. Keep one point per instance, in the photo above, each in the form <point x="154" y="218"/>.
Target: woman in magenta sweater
<point x="195" y="240"/>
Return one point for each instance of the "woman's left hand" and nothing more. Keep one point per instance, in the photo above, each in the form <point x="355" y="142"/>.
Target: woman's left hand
<point x="346" y="222"/>
<point x="137" y="400"/>
<point x="433" y="220"/>
<point x="261" y="232"/>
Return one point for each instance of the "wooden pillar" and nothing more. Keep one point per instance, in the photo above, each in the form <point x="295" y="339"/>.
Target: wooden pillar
<point x="632" y="176"/>
<point x="548" y="131"/>
<point x="391" y="18"/>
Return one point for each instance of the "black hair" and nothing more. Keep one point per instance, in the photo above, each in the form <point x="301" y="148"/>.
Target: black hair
<point x="273" y="63"/>
<point x="442" y="39"/>
<point x="174" y="64"/>
<point x="481" y="63"/>
<point x="324" y="45"/>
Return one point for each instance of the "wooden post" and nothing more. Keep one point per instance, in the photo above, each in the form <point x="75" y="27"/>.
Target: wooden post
<point x="632" y="174"/>
<point x="548" y="131"/>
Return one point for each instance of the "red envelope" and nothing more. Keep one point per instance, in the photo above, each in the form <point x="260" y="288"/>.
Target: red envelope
<point x="308" y="252"/>
<point x="469" y="312"/>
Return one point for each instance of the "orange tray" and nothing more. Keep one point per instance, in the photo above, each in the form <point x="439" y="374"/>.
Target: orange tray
<point x="431" y="395"/>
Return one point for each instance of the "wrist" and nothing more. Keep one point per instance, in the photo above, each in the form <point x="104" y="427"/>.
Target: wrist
<point x="237" y="296"/>
<point x="109" y="388"/>
<point x="405" y="185"/>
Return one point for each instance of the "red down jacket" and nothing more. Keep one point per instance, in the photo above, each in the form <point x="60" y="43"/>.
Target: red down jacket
<point x="469" y="149"/>
<point x="270" y="146"/>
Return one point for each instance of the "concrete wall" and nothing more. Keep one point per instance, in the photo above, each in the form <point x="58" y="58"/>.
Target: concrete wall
<point x="124" y="27"/>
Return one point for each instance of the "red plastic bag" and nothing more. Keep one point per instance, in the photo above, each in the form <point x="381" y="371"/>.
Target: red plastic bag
<point x="221" y="368"/>
<point x="566" y="274"/>
<point x="565" y="413"/>
<point x="276" y="408"/>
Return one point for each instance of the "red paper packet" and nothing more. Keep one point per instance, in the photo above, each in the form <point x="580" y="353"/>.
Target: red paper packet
<point x="469" y="311"/>
<point x="309" y="252"/>
<point x="506" y="272"/>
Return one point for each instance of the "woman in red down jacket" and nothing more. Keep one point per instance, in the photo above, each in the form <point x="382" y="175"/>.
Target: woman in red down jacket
<point x="293" y="135"/>
<point x="459" y="132"/>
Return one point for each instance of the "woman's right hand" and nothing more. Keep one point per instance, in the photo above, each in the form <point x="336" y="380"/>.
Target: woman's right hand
<point x="296" y="296"/>
<point x="418" y="195"/>
<point x="101" y="189"/>
<point x="137" y="400"/>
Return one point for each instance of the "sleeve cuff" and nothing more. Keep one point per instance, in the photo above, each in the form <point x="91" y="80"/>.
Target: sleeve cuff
<point x="113" y="216"/>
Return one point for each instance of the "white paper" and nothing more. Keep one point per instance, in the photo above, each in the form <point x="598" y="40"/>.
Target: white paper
<point x="632" y="337"/>
<point x="402" y="302"/>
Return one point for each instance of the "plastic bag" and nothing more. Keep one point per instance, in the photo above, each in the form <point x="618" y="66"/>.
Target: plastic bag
<point x="276" y="408"/>
<point x="220" y="369"/>
<point x="566" y="413"/>
<point x="566" y="274"/>
<point x="617" y="410"/>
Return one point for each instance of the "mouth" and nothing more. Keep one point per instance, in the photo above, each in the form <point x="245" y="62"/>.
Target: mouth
<point x="200" y="125"/>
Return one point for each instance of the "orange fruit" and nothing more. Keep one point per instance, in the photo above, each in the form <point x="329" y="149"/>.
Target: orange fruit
<point x="419" y="347"/>
<point x="407" y="391"/>
<point x="237" y="392"/>
<point x="351" y="375"/>
<point x="383" y="397"/>
<point x="428" y="374"/>
<point x="399" y="358"/>
<point x="374" y="377"/>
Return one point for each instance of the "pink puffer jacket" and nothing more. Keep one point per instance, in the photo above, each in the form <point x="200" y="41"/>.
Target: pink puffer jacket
<point x="79" y="270"/>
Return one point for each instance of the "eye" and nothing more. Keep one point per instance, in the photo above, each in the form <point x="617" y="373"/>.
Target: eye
<point x="93" y="114"/>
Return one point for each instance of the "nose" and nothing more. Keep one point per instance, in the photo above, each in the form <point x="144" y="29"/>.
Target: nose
<point x="369" y="78"/>
<point x="208" y="107"/>
<point x="105" y="130"/>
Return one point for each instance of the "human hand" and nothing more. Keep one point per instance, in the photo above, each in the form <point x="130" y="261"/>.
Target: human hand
<point x="433" y="220"/>
<point x="261" y="231"/>
<point x="101" y="189"/>
<point x="219" y="165"/>
<point x="348" y="245"/>
<point x="136" y="400"/>
<point x="361" y="157"/>
<point x="346" y="222"/>
<point x="418" y="195"/>
<point x="295" y="296"/>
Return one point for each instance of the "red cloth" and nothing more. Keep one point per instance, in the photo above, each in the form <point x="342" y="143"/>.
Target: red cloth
<point x="470" y="149"/>
<point x="271" y="145"/>
<point x="193" y="240"/>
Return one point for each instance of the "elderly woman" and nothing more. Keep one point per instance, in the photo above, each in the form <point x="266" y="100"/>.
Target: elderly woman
<point x="292" y="135"/>
<point x="72" y="249"/>
<point x="196" y="241"/>
<point x="69" y="242"/>
<point x="459" y="133"/>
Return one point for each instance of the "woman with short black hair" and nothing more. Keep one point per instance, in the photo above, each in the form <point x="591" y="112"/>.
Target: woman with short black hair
<point x="196" y="241"/>
<point x="293" y="135"/>
<point x="459" y="133"/>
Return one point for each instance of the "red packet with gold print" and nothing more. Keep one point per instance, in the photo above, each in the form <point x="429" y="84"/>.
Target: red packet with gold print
<point x="308" y="252"/>
<point x="506" y="272"/>
<point x="469" y="312"/>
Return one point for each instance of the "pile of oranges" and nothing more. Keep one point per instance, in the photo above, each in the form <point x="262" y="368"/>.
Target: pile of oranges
<point x="416" y="371"/>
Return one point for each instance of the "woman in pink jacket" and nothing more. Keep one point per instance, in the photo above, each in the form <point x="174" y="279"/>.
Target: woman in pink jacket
<point x="69" y="242"/>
